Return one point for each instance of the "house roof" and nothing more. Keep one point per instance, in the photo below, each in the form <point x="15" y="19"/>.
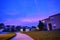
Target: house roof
<point x="48" y="19"/>
<point x="55" y="15"/>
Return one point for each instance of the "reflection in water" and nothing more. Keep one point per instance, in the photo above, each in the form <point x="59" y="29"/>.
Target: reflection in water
<point x="20" y="36"/>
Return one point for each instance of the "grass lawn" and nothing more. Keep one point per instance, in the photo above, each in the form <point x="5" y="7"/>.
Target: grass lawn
<point x="6" y="36"/>
<point x="44" y="35"/>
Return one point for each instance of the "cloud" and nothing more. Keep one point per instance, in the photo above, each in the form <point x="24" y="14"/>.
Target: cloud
<point x="12" y="22"/>
<point x="21" y="21"/>
<point x="30" y="20"/>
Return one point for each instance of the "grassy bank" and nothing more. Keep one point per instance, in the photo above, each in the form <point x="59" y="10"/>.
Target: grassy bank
<point x="6" y="36"/>
<point x="44" y="35"/>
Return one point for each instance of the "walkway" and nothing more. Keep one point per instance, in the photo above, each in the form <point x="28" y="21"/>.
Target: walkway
<point x="20" y="36"/>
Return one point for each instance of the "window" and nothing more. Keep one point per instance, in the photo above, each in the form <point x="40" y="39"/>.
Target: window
<point x="43" y="21"/>
<point x="54" y="25"/>
<point x="52" y="18"/>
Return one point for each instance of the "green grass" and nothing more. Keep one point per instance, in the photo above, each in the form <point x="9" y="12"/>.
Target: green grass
<point x="6" y="36"/>
<point x="44" y="35"/>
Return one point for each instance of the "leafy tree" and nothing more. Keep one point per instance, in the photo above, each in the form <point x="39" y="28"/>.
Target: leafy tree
<point x="40" y="25"/>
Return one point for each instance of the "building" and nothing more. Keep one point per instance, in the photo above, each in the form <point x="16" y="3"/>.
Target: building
<point x="52" y="22"/>
<point x="46" y="22"/>
<point x="21" y="29"/>
<point x="28" y="29"/>
<point x="54" y="19"/>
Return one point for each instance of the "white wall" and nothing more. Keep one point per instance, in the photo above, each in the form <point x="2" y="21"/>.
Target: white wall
<point x="27" y="30"/>
<point x="21" y="30"/>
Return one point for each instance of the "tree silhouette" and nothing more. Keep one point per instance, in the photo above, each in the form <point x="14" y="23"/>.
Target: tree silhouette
<point x="33" y="28"/>
<point x="1" y="25"/>
<point x="12" y="28"/>
<point x="40" y="25"/>
<point x="18" y="28"/>
<point x="24" y="28"/>
<point x="8" y="28"/>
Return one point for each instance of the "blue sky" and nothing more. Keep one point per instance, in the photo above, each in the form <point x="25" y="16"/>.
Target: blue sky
<point x="27" y="12"/>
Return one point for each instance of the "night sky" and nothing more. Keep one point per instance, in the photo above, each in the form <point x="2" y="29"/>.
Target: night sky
<point x="27" y="12"/>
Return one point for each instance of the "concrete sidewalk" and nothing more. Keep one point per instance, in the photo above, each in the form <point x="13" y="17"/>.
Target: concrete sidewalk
<point x="20" y="36"/>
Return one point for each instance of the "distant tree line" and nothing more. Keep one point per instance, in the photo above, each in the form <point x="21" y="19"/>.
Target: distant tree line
<point x="17" y="28"/>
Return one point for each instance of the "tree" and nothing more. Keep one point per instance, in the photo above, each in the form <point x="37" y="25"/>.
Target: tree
<point x="24" y="28"/>
<point x="33" y="28"/>
<point x="1" y="25"/>
<point x="40" y="25"/>
<point x="13" y="28"/>
<point x="18" y="28"/>
<point x="8" y="28"/>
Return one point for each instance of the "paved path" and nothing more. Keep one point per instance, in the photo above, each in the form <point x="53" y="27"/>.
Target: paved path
<point x="20" y="36"/>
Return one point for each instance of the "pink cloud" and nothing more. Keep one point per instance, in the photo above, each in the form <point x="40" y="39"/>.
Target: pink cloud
<point x="21" y="21"/>
<point x="31" y="20"/>
<point x="12" y="22"/>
